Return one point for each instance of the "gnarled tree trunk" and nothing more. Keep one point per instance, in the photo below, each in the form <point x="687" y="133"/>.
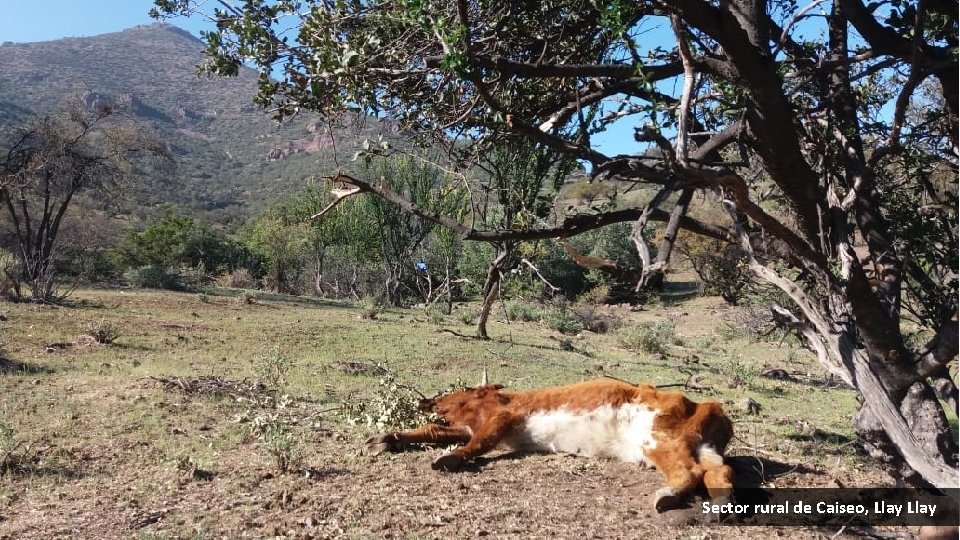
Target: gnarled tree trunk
<point x="491" y="288"/>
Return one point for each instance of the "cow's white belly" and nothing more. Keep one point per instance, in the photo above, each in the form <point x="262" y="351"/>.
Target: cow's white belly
<point x="624" y="432"/>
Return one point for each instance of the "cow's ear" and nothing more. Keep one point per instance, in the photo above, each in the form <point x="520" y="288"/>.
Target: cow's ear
<point x="486" y="389"/>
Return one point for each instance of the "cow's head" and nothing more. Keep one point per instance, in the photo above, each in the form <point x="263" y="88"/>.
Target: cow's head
<point x="465" y="406"/>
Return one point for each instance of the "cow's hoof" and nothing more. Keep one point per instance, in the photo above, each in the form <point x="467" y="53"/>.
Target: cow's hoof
<point x="382" y="442"/>
<point x="666" y="498"/>
<point x="448" y="462"/>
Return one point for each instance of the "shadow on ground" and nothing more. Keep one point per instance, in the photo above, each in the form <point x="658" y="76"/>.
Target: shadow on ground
<point x="755" y="471"/>
<point x="16" y="367"/>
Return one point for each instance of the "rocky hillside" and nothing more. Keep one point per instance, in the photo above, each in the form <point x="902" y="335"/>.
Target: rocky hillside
<point x="233" y="158"/>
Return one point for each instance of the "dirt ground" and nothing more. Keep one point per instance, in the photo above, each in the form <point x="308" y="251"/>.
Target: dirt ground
<point x="344" y="493"/>
<point x="105" y="451"/>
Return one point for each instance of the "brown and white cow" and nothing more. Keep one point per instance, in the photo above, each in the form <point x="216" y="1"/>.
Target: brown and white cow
<point x="609" y="418"/>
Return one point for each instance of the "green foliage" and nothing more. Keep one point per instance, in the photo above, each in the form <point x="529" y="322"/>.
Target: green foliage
<point x="8" y="272"/>
<point x="183" y="242"/>
<point x="472" y="265"/>
<point x="702" y="343"/>
<point x="467" y="316"/>
<point x="612" y="243"/>
<point x="272" y="424"/>
<point x="561" y="318"/>
<point x="9" y="443"/>
<point x="154" y="277"/>
<point x="726" y="331"/>
<point x="436" y="315"/>
<point x="926" y="234"/>
<point x="370" y="308"/>
<point x="598" y="294"/>
<point x="518" y="310"/>
<point x="398" y="235"/>
<point x="280" y="443"/>
<point x="279" y="245"/>
<point x="648" y="338"/>
<point x="395" y="406"/>
<point x="742" y="374"/>
<point x="93" y="263"/>
<point x="555" y="267"/>
<point x="273" y="367"/>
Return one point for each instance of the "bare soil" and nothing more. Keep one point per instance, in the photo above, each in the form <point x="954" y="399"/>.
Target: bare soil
<point x="122" y="488"/>
<point x="105" y="450"/>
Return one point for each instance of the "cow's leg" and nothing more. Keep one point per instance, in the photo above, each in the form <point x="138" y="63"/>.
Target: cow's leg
<point x="395" y="441"/>
<point x="485" y="439"/>
<point x="681" y="471"/>
<point x="717" y="477"/>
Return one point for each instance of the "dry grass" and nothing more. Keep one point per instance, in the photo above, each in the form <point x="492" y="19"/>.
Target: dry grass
<point x="108" y="451"/>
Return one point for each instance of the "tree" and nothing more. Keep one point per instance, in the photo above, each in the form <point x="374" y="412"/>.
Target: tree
<point x="322" y="235"/>
<point x="398" y="235"/>
<point x="49" y="162"/>
<point x="817" y="126"/>
<point x="176" y="241"/>
<point x="280" y="244"/>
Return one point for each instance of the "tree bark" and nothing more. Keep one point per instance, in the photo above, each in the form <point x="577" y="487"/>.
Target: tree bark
<point x="491" y="290"/>
<point x="655" y="278"/>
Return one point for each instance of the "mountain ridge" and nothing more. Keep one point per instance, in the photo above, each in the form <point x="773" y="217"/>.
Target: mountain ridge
<point x="233" y="159"/>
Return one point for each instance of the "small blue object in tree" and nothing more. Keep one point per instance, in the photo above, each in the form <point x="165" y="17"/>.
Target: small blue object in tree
<point x="420" y="266"/>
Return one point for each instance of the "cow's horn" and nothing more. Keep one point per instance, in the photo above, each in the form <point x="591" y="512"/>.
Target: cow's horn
<point x="484" y="381"/>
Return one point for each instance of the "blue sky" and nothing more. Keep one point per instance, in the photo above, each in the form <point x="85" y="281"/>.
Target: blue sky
<point x="43" y="20"/>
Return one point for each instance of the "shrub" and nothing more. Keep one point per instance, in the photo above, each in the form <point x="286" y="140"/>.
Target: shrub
<point x="741" y="374"/>
<point x="648" y="338"/>
<point x="194" y="278"/>
<point x="103" y="331"/>
<point x="154" y="277"/>
<point x="271" y="423"/>
<point x="241" y="278"/>
<point x="563" y="321"/>
<point x="8" y="445"/>
<point x="370" y="308"/>
<point x="436" y="315"/>
<point x="594" y="319"/>
<point x="273" y="367"/>
<point x="726" y="331"/>
<point x="247" y="298"/>
<point x="14" y="452"/>
<point x="702" y="343"/>
<point x="395" y="406"/>
<point x="598" y="294"/>
<point x="279" y="442"/>
<point x="9" y="272"/>
<point x="521" y="311"/>
<point x="722" y="268"/>
<point x="467" y="316"/>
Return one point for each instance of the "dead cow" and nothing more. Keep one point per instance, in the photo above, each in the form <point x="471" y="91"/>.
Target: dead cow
<point x="639" y="424"/>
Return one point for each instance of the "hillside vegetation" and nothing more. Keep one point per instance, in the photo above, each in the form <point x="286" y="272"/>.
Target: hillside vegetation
<point x="233" y="158"/>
